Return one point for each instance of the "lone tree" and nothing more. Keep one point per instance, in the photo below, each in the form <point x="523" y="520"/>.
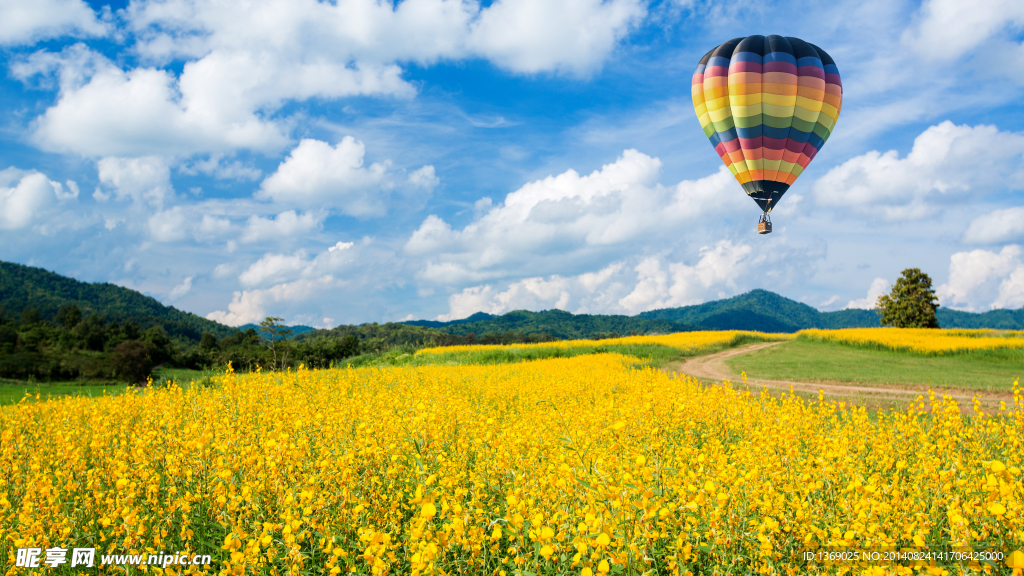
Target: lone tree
<point x="275" y="333"/>
<point x="911" y="304"/>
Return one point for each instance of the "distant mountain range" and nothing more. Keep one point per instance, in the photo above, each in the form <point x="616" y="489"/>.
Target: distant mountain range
<point x="759" y="310"/>
<point x="26" y="287"/>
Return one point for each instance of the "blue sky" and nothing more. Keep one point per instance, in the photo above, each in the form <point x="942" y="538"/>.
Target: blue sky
<point x="372" y="161"/>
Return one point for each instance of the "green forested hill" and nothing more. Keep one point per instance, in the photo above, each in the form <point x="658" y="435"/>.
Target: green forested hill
<point x="768" y="312"/>
<point x="556" y="323"/>
<point x="25" y="287"/>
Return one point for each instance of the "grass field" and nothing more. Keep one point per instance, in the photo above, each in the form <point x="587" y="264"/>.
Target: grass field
<point x="815" y="361"/>
<point x="12" y="391"/>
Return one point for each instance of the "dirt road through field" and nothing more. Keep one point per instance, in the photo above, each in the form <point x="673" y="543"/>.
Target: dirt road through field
<point x="713" y="367"/>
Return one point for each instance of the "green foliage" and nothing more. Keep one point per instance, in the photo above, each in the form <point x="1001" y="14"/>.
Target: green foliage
<point x="208" y="342"/>
<point x="132" y="361"/>
<point x="69" y="316"/>
<point x="912" y="302"/>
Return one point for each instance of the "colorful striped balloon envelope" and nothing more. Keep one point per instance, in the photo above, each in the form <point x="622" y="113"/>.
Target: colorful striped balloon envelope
<point x="767" y="104"/>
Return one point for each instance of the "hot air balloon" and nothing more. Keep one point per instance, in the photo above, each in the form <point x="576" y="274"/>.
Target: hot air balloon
<point x="767" y="104"/>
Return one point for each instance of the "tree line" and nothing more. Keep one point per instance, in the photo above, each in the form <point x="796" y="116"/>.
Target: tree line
<point x="85" y="346"/>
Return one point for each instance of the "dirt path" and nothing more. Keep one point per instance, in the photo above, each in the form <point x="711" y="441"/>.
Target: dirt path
<point x="713" y="367"/>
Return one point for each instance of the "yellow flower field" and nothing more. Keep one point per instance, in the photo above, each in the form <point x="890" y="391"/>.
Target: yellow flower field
<point x="588" y="465"/>
<point x="686" y="341"/>
<point x="922" y="340"/>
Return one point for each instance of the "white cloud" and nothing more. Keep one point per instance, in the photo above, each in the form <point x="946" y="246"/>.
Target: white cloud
<point x="244" y="61"/>
<point x="25" y="196"/>
<point x="213" y="226"/>
<point x="714" y="275"/>
<point x="181" y="289"/>
<point x="169" y="225"/>
<point x="424" y="178"/>
<point x="948" y="29"/>
<point x="583" y="292"/>
<point x="216" y="166"/>
<point x="879" y="286"/>
<point x="317" y="175"/>
<point x="998" y="226"/>
<point x="948" y="163"/>
<point x="981" y="280"/>
<point x="539" y="35"/>
<point x="319" y="40"/>
<point x="285" y="225"/>
<point x="103" y="110"/>
<point x="146" y="179"/>
<point x="29" y="21"/>
<point x="572" y="214"/>
<point x="273" y="268"/>
<point x="251" y="306"/>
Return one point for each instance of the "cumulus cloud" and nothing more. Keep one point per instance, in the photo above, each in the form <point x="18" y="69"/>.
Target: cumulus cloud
<point x="318" y="39"/>
<point x="572" y="214"/>
<point x="26" y="196"/>
<point x="169" y="225"/>
<point x="211" y="226"/>
<point x="539" y="35"/>
<point x="287" y="224"/>
<point x="272" y="268"/>
<point x="948" y="29"/>
<point x="146" y="179"/>
<point x="29" y="21"/>
<point x="585" y="291"/>
<point x="981" y="280"/>
<point x="879" y="286"/>
<point x="318" y="175"/>
<point x="998" y="226"/>
<point x="948" y="163"/>
<point x="244" y="61"/>
<point x="103" y="110"/>
<point x="715" y="275"/>
<point x="251" y="306"/>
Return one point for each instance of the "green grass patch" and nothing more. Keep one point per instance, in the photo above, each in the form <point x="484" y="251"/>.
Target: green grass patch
<point x="12" y="391"/>
<point x="810" y="360"/>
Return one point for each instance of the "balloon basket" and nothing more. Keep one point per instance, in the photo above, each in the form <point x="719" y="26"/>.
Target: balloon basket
<point x="764" y="225"/>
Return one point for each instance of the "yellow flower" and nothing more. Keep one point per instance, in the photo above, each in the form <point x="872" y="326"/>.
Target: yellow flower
<point x="429" y="510"/>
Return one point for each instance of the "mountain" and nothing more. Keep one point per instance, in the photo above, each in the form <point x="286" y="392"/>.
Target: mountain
<point x="25" y="287"/>
<point x="558" y="323"/>
<point x="759" y="310"/>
